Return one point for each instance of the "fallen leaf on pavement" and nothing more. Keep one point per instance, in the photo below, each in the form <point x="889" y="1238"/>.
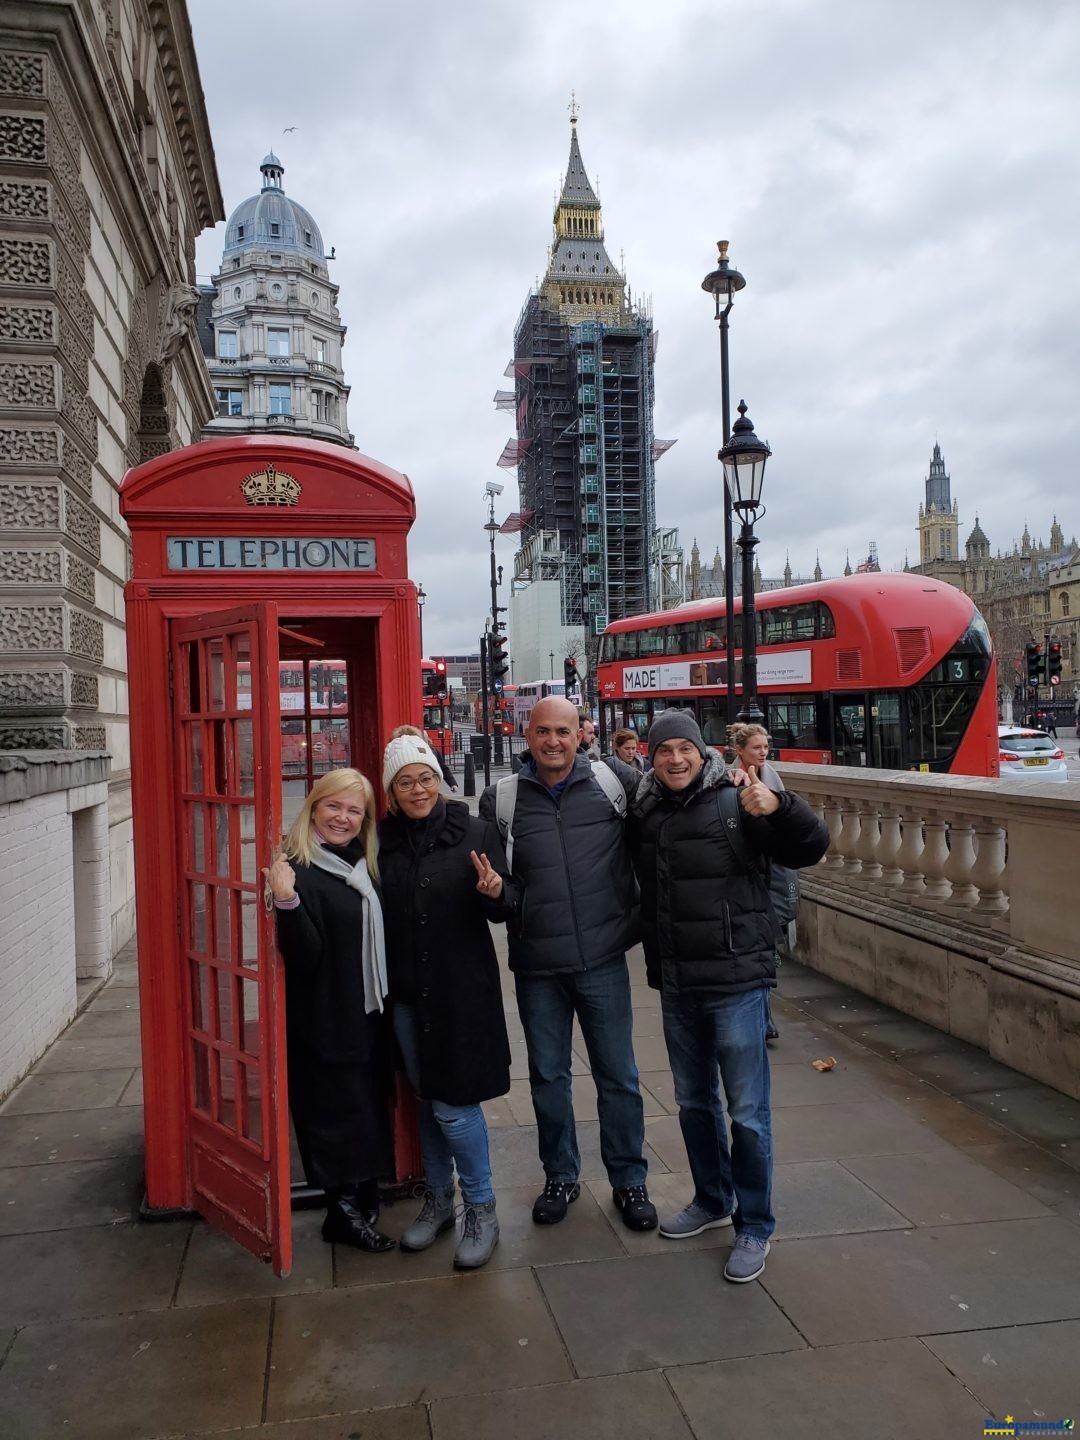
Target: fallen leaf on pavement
<point x="829" y="1064"/>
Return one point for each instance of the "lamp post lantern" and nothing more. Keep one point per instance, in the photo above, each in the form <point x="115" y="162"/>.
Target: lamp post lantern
<point x="551" y="662"/>
<point x="723" y="283"/>
<point x="744" y="458"/>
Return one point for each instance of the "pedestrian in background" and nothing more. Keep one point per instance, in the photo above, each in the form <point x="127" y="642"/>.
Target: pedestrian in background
<point x="624" y="745"/>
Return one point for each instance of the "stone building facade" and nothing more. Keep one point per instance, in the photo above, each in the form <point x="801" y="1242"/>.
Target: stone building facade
<point x="270" y="326"/>
<point x="1027" y="592"/>
<point x="106" y="177"/>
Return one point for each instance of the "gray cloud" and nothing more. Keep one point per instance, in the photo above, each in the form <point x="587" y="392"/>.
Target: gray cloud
<point x="899" y="185"/>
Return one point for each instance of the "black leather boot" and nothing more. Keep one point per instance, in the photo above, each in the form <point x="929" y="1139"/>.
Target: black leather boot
<point x="346" y="1224"/>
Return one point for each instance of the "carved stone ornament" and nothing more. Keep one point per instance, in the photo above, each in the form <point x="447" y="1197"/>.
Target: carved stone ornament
<point x="271" y="487"/>
<point x="178" y="318"/>
<point x="34" y="737"/>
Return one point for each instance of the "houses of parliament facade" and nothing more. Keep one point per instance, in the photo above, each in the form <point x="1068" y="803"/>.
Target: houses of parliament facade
<point x="1028" y="592"/>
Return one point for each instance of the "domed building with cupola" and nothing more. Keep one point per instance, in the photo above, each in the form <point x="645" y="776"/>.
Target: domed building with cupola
<point x="269" y="323"/>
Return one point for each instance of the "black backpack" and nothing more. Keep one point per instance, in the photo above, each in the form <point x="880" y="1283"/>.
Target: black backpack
<point x="781" y="884"/>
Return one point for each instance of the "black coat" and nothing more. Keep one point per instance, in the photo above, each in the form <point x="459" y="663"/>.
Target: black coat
<point x="440" y="954"/>
<point x="320" y="942"/>
<point x="578" y="903"/>
<point x="706" y="925"/>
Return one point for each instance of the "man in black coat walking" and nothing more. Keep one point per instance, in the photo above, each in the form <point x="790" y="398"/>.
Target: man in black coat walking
<point x="701" y="852"/>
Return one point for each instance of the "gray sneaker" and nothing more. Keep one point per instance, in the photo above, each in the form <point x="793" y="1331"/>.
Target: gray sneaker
<point x="436" y="1215"/>
<point x="747" y="1259"/>
<point x="692" y="1219"/>
<point x="479" y="1237"/>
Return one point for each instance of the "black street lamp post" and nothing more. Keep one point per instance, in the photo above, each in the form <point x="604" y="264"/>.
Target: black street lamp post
<point x="723" y="283"/>
<point x="551" y="661"/>
<point x="421" y="598"/>
<point x="744" y="458"/>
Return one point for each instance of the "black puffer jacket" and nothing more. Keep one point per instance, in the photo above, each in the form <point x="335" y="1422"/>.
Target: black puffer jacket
<point x="705" y="921"/>
<point x="577" y="906"/>
<point x="440" y="955"/>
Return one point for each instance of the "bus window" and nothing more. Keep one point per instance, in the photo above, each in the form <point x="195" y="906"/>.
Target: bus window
<point x="682" y="639"/>
<point x="626" y="645"/>
<point x="826" y="623"/>
<point x="849" y="729"/>
<point x="886" y="732"/>
<point x="788" y="622"/>
<point x="651" y="642"/>
<point x="713" y="727"/>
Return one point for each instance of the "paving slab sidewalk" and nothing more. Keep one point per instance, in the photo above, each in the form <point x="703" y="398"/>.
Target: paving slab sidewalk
<point x="925" y="1273"/>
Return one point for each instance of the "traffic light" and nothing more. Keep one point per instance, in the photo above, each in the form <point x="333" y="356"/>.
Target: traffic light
<point x="571" y="678"/>
<point x="440" y="679"/>
<point x="1053" y="662"/>
<point x="499" y="662"/>
<point x="1033" y="656"/>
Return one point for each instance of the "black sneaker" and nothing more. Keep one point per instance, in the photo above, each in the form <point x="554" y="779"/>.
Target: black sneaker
<point x="550" y="1207"/>
<point x="638" y="1211"/>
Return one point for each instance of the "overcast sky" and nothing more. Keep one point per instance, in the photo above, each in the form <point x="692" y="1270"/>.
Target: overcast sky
<point x="899" y="184"/>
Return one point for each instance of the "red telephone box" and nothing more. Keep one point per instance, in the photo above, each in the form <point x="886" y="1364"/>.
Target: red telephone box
<point x="272" y="634"/>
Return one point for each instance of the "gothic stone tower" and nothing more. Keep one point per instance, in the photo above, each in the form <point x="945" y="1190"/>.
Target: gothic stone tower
<point x="583" y="368"/>
<point x="939" y="526"/>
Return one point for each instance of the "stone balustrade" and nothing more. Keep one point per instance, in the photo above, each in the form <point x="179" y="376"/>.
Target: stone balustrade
<point x="951" y="898"/>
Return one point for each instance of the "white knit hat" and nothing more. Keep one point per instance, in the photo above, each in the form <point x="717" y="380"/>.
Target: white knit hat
<point x="407" y="750"/>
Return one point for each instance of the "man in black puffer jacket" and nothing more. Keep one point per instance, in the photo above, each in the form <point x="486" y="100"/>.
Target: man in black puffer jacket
<point x="576" y="919"/>
<point x="710" y="951"/>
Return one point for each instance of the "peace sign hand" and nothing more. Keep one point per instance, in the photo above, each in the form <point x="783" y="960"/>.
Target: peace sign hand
<point x="281" y="877"/>
<point x="756" y="798"/>
<point x="490" y="883"/>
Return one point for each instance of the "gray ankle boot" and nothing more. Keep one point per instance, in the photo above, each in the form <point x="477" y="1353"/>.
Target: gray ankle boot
<point x="436" y="1215"/>
<point x="478" y="1238"/>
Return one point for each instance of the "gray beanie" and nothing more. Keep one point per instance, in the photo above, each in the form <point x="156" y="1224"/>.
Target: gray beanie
<point x="676" y="725"/>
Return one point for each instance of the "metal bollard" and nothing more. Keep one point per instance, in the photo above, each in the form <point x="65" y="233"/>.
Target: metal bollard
<point x="468" y="784"/>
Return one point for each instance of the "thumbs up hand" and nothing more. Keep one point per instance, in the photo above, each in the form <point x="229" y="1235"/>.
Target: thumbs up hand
<point x="755" y="797"/>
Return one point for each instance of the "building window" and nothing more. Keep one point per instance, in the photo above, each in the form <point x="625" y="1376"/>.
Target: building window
<point x="230" y="402"/>
<point x="315" y="298"/>
<point x="318" y="349"/>
<point x="280" y="399"/>
<point x="237" y="293"/>
<point x="1065" y="603"/>
<point x="228" y="345"/>
<point x="239" y="232"/>
<point x="275" y="229"/>
<point x="317" y="404"/>
<point x="275" y="259"/>
<point x="277" y="343"/>
<point x="307" y="237"/>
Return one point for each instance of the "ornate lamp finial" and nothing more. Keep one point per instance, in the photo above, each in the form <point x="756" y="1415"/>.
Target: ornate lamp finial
<point x="573" y="108"/>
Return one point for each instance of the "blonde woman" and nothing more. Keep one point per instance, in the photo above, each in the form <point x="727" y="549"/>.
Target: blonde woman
<point x="751" y="744"/>
<point x="330" y="934"/>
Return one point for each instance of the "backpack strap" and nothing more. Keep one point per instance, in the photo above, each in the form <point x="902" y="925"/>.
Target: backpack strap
<point x="727" y="803"/>
<point x="506" y="792"/>
<point x="505" y="803"/>
<point x="611" y="785"/>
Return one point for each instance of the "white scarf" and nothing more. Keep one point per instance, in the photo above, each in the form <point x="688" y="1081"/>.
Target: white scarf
<point x="373" y="948"/>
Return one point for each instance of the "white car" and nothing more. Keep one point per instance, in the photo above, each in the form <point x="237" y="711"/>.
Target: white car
<point x="1026" y="754"/>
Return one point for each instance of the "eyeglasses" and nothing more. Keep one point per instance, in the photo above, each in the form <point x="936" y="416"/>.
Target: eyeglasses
<point x="424" y="782"/>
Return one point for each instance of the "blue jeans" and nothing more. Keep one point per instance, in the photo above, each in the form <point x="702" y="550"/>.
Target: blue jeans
<point x="714" y="1040"/>
<point x="600" y="998"/>
<point x="449" y="1134"/>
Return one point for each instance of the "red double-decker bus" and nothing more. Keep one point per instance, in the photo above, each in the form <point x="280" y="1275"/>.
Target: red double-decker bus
<point x="437" y="716"/>
<point x="500" y="719"/>
<point x="894" y="671"/>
